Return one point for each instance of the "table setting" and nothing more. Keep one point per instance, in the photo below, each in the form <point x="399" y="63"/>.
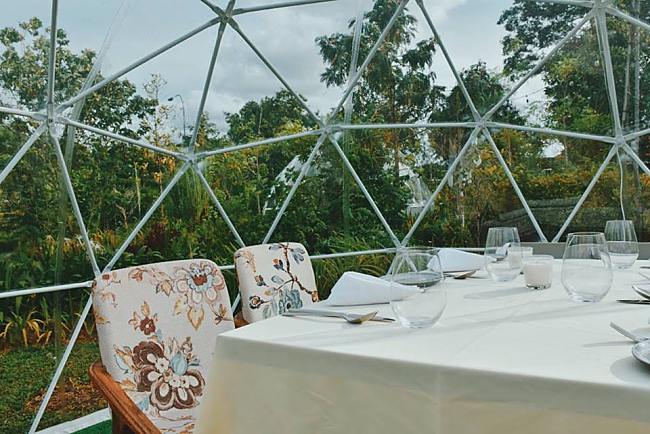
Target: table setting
<point x="450" y="341"/>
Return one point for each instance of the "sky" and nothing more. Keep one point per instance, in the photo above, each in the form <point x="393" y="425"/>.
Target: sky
<point x="285" y="37"/>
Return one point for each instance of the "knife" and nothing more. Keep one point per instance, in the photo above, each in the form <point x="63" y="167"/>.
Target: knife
<point x="634" y="301"/>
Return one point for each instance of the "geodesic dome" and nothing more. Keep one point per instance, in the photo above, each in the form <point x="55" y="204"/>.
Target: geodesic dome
<point x="56" y="116"/>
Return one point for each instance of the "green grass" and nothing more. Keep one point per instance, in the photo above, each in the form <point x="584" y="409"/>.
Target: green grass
<point x="25" y="374"/>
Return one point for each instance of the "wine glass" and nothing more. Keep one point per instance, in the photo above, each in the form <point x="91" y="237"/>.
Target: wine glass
<point x="586" y="266"/>
<point x="417" y="296"/>
<point x="503" y="254"/>
<point x="622" y="243"/>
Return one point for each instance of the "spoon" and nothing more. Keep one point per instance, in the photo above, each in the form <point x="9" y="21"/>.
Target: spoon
<point x="628" y="334"/>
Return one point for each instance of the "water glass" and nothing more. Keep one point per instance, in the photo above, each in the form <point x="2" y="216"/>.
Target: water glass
<point x="586" y="266"/>
<point x="420" y="270"/>
<point x="622" y="243"/>
<point x="503" y="254"/>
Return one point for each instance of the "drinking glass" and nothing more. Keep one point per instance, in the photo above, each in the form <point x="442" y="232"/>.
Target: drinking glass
<point x="586" y="266"/>
<point x="503" y="254"/>
<point x="417" y="271"/>
<point x="526" y="252"/>
<point x="622" y="243"/>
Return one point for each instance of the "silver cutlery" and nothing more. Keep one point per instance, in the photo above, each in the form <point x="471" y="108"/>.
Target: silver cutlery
<point x="461" y="275"/>
<point x="642" y="292"/>
<point x="635" y="301"/>
<point x="628" y="334"/>
<point x="352" y="318"/>
<point x="323" y="311"/>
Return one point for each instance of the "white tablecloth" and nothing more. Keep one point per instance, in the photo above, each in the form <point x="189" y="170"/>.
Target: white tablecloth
<point x="503" y="359"/>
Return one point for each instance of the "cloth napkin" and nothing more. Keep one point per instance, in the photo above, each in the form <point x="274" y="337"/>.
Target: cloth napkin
<point x="459" y="260"/>
<point x="358" y="288"/>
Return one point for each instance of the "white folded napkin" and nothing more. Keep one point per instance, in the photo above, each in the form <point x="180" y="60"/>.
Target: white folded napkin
<point x="357" y="288"/>
<point x="458" y="260"/>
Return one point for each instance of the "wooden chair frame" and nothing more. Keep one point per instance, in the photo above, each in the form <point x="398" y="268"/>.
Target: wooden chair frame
<point x="127" y="417"/>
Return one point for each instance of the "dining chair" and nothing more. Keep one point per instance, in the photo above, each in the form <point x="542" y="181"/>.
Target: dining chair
<point x="157" y="326"/>
<point x="274" y="278"/>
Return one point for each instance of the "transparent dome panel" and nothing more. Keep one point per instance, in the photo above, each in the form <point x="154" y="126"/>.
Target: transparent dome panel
<point x="469" y="190"/>
<point x="252" y="184"/>
<point x="129" y="81"/>
<point x="24" y="55"/>
<point x="628" y="41"/>
<point x="247" y="103"/>
<point x="553" y="173"/>
<point x="297" y="41"/>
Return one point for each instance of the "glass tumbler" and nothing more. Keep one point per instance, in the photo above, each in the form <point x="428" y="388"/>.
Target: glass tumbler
<point x="503" y="254"/>
<point x="417" y="296"/>
<point x="622" y="243"/>
<point x="586" y="267"/>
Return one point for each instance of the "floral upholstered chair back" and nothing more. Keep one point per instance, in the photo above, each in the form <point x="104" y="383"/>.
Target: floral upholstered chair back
<point x="157" y="326"/>
<point x="274" y="278"/>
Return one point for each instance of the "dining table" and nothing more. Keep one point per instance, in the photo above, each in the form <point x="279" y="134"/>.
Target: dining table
<point x="502" y="359"/>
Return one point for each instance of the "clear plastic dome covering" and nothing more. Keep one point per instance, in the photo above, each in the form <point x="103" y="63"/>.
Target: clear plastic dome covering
<point x="172" y="83"/>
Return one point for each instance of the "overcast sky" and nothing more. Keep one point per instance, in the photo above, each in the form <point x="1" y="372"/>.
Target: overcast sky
<point x="285" y="36"/>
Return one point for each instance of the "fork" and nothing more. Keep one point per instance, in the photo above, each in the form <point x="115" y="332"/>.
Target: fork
<point x="352" y="318"/>
<point x="318" y="312"/>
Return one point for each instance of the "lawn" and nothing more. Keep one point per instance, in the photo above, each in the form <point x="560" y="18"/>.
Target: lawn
<point x="25" y="374"/>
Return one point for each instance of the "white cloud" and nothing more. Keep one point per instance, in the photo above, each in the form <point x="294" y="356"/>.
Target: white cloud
<point x="285" y="36"/>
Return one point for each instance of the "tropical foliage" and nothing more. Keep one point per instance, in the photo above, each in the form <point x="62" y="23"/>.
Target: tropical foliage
<point x="116" y="183"/>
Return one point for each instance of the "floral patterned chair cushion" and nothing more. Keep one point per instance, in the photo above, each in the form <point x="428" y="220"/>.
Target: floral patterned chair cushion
<point x="274" y="278"/>
<point x="157" y="326"/>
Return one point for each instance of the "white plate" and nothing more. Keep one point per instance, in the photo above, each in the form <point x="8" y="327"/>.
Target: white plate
<point x="461" y="271"/>
<point x="641" y="352"/>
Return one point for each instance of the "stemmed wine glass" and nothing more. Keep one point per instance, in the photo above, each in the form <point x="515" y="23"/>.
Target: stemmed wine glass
<point x="586" y="266"/>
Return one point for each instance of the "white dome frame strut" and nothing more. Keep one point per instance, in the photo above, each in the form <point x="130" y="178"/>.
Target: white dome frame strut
<point x="57" y="114"/>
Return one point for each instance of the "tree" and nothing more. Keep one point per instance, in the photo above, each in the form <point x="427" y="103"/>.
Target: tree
<point x="575" y="84"/>
<point x="398" y="86"/>
<point x="574" y="77"/>
<point x="263" y="119"/>
<point x="28" y="199"/>
<point x="531" y="28"/>
<point x="486" y="89"/>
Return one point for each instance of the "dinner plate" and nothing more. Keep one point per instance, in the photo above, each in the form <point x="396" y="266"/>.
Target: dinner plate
<point x="641" y="352"/>
<point x="460" y="271"/>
